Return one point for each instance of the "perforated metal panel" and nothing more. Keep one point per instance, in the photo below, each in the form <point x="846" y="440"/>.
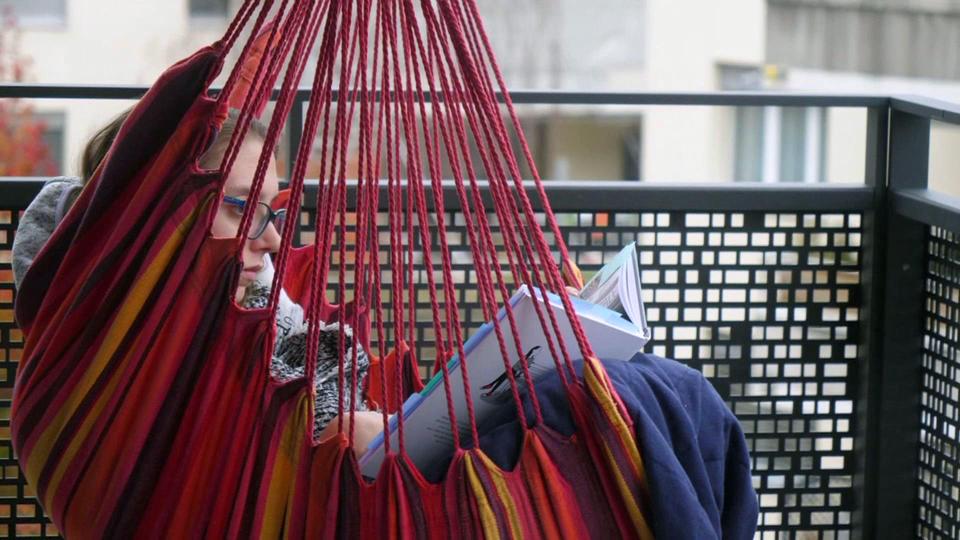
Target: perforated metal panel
<point x="764" y="304"/>
<point x="767" y="306"/>
<point x="20" y="514"/>
<point x="939" y="460"/>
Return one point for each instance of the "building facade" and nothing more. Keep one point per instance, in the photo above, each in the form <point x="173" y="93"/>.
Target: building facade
<point x="856" y="46"/>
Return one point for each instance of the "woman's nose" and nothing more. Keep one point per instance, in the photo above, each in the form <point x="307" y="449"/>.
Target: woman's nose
<point x="269" y="240"/>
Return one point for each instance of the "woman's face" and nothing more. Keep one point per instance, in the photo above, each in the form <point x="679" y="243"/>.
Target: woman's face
<point x="227" y="221"/>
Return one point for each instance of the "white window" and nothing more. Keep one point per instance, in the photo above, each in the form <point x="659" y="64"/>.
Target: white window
<point x="36" y="13"/>
<point x="780" y="144"/>
<point x="774" y="144"/>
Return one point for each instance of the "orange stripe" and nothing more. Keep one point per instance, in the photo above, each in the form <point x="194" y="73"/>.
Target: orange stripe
<point x="40" y="453"/>
<point x="610" y="410"/>
<point x="547" y="493"/>
<point x="280" y="492"/>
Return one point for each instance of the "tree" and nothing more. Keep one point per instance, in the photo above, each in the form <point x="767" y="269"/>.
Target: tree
<point x="23" y="150"/>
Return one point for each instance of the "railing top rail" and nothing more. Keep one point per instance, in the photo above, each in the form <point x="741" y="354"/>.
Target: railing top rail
<point x="934" y="109"/>
<point x="539" y="97"/>
<point x="928" y="207"/>
<point x="590" y="195"/>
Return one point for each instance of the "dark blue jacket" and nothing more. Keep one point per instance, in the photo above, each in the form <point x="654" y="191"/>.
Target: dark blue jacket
<point x="693" y="449"/>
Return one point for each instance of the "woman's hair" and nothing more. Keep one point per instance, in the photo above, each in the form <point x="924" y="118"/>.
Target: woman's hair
<point x="214" y="154"/>
<point x="97" y="147"/>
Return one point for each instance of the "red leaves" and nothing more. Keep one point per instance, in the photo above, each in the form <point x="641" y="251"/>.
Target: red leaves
<point x="23" y="150"/>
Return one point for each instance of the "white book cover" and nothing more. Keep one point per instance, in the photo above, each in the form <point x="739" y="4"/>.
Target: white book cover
<point x="427" y="431"/>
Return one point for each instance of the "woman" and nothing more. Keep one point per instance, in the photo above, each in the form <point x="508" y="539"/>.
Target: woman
<point x="54" y="200"/>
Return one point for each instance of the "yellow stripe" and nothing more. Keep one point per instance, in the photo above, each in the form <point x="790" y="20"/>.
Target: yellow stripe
<point x="280" y="493"/>
<point x="633" y="507"/>
<point x="610" y="410"/>
<point x="503" y="492"/>
<point x="126" y="315"/>
<point x="487" y="518"/>
<point x="612" y="413"/>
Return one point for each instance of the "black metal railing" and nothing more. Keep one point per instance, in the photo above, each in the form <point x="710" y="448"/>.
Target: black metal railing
<point x="825" y="315"/>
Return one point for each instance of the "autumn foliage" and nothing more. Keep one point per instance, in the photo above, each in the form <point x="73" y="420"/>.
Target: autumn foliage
<point x="23" y="150"/>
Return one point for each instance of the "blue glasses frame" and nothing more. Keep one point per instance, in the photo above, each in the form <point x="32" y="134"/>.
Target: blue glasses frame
<point x="260" y="226"/>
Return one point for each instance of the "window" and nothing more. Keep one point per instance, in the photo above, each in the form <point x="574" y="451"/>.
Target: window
<point x="748" y="141"/>
<point x="774" y="144"/>
<point x="53" y="135"/>
<point x="208" y="8"/>
<point x="780" y="144"/>
<point x="34" y="13"/>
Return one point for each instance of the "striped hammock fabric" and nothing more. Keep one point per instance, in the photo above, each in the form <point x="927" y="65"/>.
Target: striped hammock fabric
<point x="144" y="406"/>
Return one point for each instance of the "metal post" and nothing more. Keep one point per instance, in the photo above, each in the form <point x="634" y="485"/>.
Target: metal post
<point x="295" y="124"/>
<point x="871" y="320"/>
<point x="891" y="368"/>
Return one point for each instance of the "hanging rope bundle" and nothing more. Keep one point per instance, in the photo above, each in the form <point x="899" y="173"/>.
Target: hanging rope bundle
<point x="144" y="404"/>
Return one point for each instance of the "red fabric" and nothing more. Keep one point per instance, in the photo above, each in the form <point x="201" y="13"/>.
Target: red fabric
<point x="402" y="366"/>
<point x="144" y="404"/>
<point x="247" y="77"/>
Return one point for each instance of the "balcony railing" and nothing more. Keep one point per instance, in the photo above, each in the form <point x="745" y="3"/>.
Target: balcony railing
<point x="827" y="316"/>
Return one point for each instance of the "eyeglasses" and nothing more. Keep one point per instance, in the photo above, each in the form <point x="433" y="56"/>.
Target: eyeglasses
<point x="263" y="215"/>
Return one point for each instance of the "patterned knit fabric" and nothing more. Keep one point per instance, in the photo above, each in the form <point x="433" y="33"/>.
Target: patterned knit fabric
<point x="290" y="352"/>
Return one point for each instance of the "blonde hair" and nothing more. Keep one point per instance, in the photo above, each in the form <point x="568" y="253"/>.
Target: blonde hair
<point x="211" y="158"/>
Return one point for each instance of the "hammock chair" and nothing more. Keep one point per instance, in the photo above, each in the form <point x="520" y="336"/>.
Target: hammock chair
<point x="144" y="406"/>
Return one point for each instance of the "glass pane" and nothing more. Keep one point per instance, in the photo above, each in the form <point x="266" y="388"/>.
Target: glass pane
<point x="30" y="12"/>
<point x="748" y="164"/>
<point x="208" y="7"/>
<point x="792" y="139"/>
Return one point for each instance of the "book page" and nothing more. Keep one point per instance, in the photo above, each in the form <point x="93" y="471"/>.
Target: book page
<point x="604" y="288"/>
<point x="630" y="290"/>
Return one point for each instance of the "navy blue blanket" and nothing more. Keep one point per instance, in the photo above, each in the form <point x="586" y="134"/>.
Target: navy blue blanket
<point x="693" y="449"/>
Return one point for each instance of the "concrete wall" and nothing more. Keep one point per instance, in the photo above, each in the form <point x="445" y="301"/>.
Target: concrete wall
<point x="686" y="41"/>
<point x="906" y="38"/>
<point x="569" y="44"/>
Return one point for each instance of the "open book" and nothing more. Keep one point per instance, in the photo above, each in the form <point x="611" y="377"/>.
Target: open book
<point x="617" y="287"/>
<point x="611" y="313"/>
<point x="427" y="432"/>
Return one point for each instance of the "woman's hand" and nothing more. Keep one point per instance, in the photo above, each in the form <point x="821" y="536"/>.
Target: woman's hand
<point x="366" y="426"/>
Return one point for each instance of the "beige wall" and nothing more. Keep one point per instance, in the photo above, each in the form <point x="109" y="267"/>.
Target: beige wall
<point x="846" y="145"/>
<point x="133" y="45"/>
<point x="846" y="137"/>
<point x="944" y="173"/>
<point x="686" y="42"/>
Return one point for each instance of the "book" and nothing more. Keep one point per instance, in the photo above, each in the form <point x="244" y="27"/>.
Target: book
<point x="427" y="428"/>
<point x="617" y="287"/>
